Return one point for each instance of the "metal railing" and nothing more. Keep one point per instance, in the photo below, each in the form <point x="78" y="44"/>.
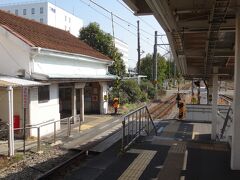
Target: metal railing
<point x="53" y="136"/>
<point x="226" y="122"/>
<point x="134" y="123"/>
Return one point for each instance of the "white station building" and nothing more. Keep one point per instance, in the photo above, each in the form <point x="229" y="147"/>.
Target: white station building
<point x="46" y="13"/>
<point x="123" y="48"/>
<point x="64" y="76"/>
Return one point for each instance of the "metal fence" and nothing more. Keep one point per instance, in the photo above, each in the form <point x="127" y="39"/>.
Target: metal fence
<point x="226" y="123"/>
<point x="134" y="124"/>
<point x="64" y="131"/>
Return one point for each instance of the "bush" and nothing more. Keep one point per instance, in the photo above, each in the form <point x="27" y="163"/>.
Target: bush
<point x="148" y="88"/>
<point x="133" y="91"/>
<point x="129" y="92"/>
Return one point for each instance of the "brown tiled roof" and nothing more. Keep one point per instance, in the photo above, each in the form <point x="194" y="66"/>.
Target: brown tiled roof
<point x="40" y="35"/>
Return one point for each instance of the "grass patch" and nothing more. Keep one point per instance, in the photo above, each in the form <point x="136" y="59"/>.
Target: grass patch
<point x="6" y="161"/>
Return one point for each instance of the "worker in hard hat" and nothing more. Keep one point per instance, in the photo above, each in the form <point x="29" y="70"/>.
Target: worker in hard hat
<point x="115" y="104"/>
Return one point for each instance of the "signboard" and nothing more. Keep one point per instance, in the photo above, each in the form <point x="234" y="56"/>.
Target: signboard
<point x="25" y="97"/>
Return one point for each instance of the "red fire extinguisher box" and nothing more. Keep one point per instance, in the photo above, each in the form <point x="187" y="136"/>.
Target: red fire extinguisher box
<point x="16" y="121"/>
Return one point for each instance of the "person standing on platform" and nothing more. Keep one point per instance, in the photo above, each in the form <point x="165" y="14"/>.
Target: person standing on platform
<point x="115" y="105"/>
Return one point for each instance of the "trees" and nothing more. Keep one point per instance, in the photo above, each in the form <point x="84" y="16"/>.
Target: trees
<point x="104" y="43"/>
<point x="146" y="67"/>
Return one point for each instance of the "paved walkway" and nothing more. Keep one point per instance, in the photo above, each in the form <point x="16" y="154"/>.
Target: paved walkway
<point x="163" y="157"/>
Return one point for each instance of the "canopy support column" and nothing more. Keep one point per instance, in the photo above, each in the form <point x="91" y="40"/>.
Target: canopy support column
<point x="214" y="103"/>
<point x="235" y="151"/>
<point x="10" y="122"/>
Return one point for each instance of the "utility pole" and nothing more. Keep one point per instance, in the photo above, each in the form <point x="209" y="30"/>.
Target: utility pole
<point x="155" y="62"/>
<point x="138" y="49"/>
<point x="113" y="29"/>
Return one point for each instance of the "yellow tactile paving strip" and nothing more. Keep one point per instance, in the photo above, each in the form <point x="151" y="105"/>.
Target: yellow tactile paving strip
<point x="136" y="168"/>
<point x="84" y="127"/>
<point x="92" y="123"/>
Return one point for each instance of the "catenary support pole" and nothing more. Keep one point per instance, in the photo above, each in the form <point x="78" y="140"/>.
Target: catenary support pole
<point x="138" y="49"/>
<point x="155" y="61"/>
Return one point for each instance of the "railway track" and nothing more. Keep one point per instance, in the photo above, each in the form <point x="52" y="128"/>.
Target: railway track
<point x="162" y="108"/>
<point x="226" y="98"/>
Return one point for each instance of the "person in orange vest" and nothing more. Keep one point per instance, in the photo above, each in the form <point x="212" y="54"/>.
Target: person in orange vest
<point x="115" y="105"/>
<point x="181" y="109"/>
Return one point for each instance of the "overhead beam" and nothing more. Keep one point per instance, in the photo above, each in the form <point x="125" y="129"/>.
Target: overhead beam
<point x="200" y="24"/>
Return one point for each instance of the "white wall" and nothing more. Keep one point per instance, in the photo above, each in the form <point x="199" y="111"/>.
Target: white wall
<point x="123" y="48"/>
<point x="61" y="19"/>
<point x="52" y="15"/>
<point x="28" y="6"/>
<point x="14" y="54"/>
<point x="63" y="66"/>
<point x="103" y="103"/>
<point x="202" y="112"/>
<point x="44" y="112"/>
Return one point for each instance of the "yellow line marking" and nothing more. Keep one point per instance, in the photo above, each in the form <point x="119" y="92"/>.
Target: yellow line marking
<point x="84" y="127"/>
<point x="137" y="167"/>
<point x="194" y="134"/>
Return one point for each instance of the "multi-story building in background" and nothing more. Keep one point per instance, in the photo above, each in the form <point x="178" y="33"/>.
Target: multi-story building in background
<point x="123" y="48"/>
<point x="46" y="13"/>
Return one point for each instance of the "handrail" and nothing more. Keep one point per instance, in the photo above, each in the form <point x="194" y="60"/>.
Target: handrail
<point x="134" y="123"/>
<point x="227" y="118"/>
<point x="40" y="125"/>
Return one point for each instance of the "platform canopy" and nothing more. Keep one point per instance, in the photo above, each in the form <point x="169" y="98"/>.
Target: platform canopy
<point x="6" y="81"/>
<point x="201" y="33"/>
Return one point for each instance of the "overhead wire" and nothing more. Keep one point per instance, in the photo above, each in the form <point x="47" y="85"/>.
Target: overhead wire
<point x="120" y="18"/>
<point x="107" y="17"/>
<point x="113" y="21"/>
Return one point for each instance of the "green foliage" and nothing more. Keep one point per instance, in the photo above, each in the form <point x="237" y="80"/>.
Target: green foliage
<point x="133" y="91"/>
<point x="129" y="92"/>
<point x="148" y="88"/>
<point x="146" y="67"/>
<point x="104" y="43"/>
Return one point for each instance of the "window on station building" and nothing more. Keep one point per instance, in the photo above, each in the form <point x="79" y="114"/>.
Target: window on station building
<point x="41" y="20"/>
<point x="53" y="10"/>
<point x="33" y="10"/>
<point x="43" y="94"/>
<point x="41" y="10"/>
<point x="16" y="12"/>
<point x="69" y="19"/>
<point x="24" y="12"/>
<point x="65" y="18"/>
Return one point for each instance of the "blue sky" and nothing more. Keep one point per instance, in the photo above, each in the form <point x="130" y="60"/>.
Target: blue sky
<point x="124" y="31"/>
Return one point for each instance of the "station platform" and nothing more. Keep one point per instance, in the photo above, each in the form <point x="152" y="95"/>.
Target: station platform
<point x="94" y="126"/>
<point x="179" y="151"/>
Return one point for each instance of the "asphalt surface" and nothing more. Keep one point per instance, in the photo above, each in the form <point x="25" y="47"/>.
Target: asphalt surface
<point x="203" y="162"/>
